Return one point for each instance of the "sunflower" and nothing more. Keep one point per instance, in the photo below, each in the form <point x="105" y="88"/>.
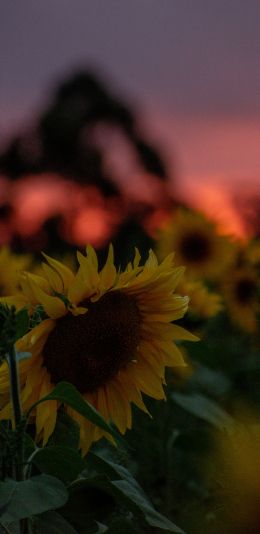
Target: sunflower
<point x="203" y="303"/>
<point x="108" y="333"/>
<point x="237" y="461"/>
<point x="253" y="253"/>
<point x="10" y="267"/>
<point x="196" y="244"/>
<point x="240" y="289"/>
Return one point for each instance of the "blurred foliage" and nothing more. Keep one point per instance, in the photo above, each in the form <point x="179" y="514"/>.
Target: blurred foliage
<point x="70" y="138"/>
<point x="174" y="452"/>
<point x="78" y="104"/>
<point x="177" y="467"/>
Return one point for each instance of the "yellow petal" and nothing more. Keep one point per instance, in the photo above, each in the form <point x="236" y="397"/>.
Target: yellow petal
<point x="46" y="412"/>
<point x="52" y="407"/>
<point x="152" y="260"/>
<point x="40" y="331"/>
<point x="64" y="272"/>
<point x="147" y="380"/>
<point x="88" y="273"/>
<point x="153" y="357"/>
<point x="77" y="310"/>
<point x="79" y="289"/>
<point x="173" y="356"/>
<point x="92" y="256"/>
<point x="116" y="407"/>
<point x="87" y="431"/>
<point x="6" y="413"/>
<point x="53" y="306"/>
<point x="108" y="273"/>
<point x="87" y="428"/>
<point x="133" y="392"/>
<point x="53" y="278"/>
<point x="167" y="263"/>
<point x="137" y="258"/>
<point x="27" y="290"/>
<point x="19" y="301"/>
<point x="126" y="402"/>
<point x="102" y="406"/>
<point x="158" y="331"/>
<point x="38" y="280"/>
<point x="183" y="334"/>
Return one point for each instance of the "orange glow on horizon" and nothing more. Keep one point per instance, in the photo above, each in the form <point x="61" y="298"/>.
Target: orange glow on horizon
<point x="209" y="160"/>
<point x="87" y="217"/>
<point x="92" y="225"/>
<point x="214" y="199"/>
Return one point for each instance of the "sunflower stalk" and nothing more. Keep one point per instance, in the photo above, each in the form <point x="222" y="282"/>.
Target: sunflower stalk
<point x="17" y="412"/>
<point x="19" y="428"/>
<point x="15" y="389"/>
<point x="9" y="333"/>
<point x="9" y="327"/>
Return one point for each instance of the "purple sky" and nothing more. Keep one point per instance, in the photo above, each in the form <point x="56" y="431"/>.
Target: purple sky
<point x="191" y="67"/>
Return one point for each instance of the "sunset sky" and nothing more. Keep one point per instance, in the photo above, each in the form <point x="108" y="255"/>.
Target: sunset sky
<point x="191" y="70"/>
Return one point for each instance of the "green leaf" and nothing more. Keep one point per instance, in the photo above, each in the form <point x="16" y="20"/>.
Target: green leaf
<point x="38" y="316"/>
<point x="52" y="523"/>
<point x="66" y="433"/>
<point x="6" y="493"/>
<point x="89" y="502"/>
<point x="30" y="497"/>
<point x="135" y="499"/>
<point x="68" y="394"/>
<point x="14" y="528"/>
<point x="211" y="381"/>
<point x="124" y="525"/>
<point x="127" y="491"/>
<point x="29" y="446"/>
<point x="106" y="467"/>
<point x="205" y="409"/>
<point x="63" y="298"/>
<point x="101" y="528"/>
<point x="22" y="323"/>
<point x="63" y="463"/>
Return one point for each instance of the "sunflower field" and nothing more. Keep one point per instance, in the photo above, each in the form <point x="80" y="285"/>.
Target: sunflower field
<point x="129" y="395"/>
<point x="129" y="342"/>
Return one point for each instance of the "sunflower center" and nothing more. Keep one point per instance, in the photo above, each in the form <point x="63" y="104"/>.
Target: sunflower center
<point x="245" y="290"/>
<point x="195" y="247"/>
<point x="88" y="350"/>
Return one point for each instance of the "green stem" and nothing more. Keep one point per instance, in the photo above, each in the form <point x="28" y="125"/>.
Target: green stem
<point x="24" y="526"/>
<point x="17" y="411"/>
<point x="15" y="387"/>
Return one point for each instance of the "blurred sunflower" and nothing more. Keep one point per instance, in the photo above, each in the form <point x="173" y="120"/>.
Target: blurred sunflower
<point x="196" y="244"/>
<point x="203" y="303"/>
<point x="11" y="266"/>
<point x="237" y="461"/>
<point x="253" y="253"/>
<point x="240" y="288"/>
<point x="108" y="333"/>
